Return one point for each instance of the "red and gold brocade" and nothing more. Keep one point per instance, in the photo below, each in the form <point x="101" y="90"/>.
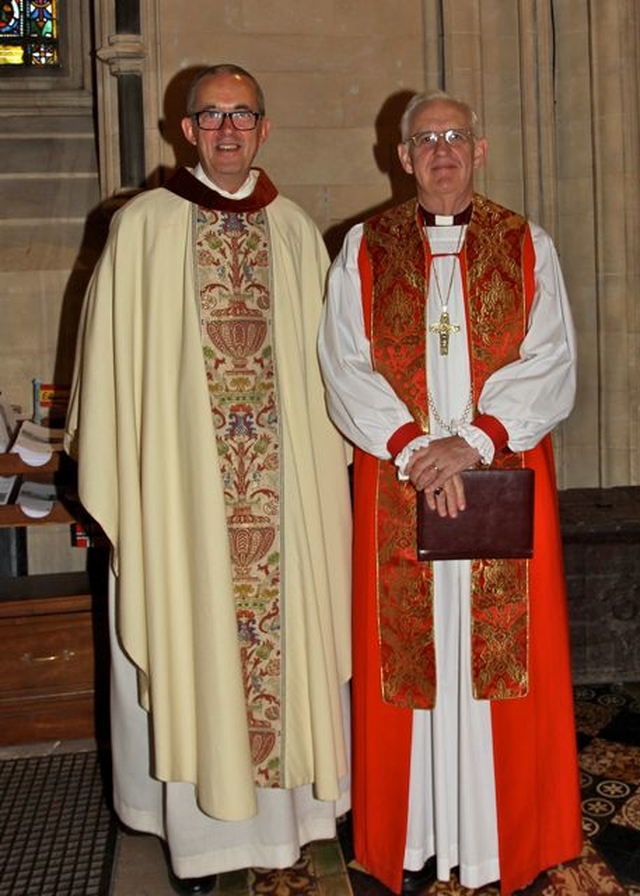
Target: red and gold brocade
<point x="398" y="260"/>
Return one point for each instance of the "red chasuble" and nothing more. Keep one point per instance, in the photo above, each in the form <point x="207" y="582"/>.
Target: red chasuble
<point x="537" y="792"/>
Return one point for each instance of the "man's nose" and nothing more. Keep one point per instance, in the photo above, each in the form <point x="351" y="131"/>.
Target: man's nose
<point x="442" y="142"/>
<point x="227" y="124"/>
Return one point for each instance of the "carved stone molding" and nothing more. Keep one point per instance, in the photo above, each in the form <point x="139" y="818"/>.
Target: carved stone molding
<point x="128" y="83"/>
<point x="125" y="54"/>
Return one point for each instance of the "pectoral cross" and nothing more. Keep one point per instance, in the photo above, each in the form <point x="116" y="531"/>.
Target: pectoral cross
<point x="444" y="328"/>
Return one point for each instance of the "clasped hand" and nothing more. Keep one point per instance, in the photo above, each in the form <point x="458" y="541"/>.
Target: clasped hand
<point x="436" y="471"/>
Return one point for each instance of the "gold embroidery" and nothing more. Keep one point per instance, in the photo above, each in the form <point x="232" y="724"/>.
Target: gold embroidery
<point x="497" y="318"/>
<point x="499" y="632"/>
<point x="236" y="317"/>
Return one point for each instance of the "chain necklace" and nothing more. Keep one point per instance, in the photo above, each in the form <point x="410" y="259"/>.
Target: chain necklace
<point x="456" y="422"/>
<point x="444" y="328"/>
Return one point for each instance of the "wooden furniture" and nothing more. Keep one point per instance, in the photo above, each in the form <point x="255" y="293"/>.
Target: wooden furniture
<point x="11" y="514"/>
<point x="53" y="655"/>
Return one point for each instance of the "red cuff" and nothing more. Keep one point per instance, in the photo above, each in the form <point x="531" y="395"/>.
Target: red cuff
<point x="402" y="436"/>
<point x="492" y="427"/>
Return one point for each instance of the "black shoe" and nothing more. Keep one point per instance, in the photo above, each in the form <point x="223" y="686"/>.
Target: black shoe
<point x="192" y="886"/>
<point x="415" y="881"/>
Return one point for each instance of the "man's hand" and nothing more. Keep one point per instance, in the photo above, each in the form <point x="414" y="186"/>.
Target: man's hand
<point x="435" y="470"/>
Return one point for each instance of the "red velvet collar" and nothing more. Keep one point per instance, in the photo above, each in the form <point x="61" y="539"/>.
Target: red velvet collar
<point x="184" y="184"/>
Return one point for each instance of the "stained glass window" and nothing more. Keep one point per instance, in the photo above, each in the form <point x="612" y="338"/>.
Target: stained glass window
<point x="29" y="33"/>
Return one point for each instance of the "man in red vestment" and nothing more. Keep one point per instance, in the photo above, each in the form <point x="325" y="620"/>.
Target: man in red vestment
<point x="447" y="343"/>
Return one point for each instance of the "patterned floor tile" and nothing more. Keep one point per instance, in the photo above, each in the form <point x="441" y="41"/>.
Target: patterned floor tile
<point x="629" y="814"/>
<point x="320" y="871"/>
<point x="605" y="758"/>
<point x="592" y="717"/>
<point x="624" y="728"/>
<point x="620" y="847"/>
<point x="608" y="729"/>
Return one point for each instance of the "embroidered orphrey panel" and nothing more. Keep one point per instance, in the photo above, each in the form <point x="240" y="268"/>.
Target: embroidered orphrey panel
<point x="236" y="322"/>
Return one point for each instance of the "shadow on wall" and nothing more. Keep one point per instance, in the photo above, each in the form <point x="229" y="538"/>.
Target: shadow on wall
<point x="98" y="220"/>
<point x="385" y="153"/>
<point x="175" y="105"/>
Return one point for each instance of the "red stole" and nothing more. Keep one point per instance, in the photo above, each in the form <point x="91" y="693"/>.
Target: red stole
<point x="399" y="260"/>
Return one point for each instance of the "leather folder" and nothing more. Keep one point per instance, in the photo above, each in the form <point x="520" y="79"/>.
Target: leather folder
<point x="497" y="522"/>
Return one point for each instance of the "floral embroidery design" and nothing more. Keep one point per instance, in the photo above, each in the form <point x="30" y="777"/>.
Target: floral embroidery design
<point x="236" y="322"/>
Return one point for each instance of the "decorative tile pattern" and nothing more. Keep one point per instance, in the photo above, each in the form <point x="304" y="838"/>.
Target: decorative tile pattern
<point x="608" y="730"/>
<point x="60" y="798"/>
<point x="320" y="871"/>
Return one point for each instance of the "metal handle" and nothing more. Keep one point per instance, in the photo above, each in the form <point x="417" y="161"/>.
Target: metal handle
<point x="65" y="656"/>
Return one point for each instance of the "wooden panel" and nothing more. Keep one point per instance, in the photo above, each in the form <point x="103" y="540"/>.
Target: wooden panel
<point x="67" y="512"/>
<point x="62" y="591"/>
<point x="38" y="719"/>
<point x="46" y="655"/>
<point x="12" y="515"/>
<point x="53" y="660"/>
<point x="13" y="465"/>
<point x="53" y="635"/>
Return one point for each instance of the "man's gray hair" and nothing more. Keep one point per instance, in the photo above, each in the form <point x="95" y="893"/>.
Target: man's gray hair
<point x="420" y="99"/>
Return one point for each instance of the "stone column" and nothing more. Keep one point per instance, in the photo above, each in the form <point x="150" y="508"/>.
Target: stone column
<point x="598" y="137"/>
<point x="556" y="86"/>
<point x="616" y="149"/>
<point x="126" y="82"/>
<point x="124" y="54"/>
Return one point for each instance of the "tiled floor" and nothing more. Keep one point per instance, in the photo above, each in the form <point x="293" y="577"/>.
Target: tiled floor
<point x="57" y="833"/>
<point x="608" y="725"/>
<point x="321" y="871"/>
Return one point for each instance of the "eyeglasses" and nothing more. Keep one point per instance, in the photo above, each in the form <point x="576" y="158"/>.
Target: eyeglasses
<point x="430" y="139"/>
<point x="214" y="119"/>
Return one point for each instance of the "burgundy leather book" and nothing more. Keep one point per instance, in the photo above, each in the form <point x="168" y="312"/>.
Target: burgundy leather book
<point x="497" y="522"/>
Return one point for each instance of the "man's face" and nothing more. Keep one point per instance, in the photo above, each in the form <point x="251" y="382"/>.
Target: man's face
<point x="227" y="154"/>
<point x="443" y="173"/>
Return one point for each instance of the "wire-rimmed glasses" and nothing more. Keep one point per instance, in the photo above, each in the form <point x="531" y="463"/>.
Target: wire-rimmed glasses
<point x="430" y="139"/>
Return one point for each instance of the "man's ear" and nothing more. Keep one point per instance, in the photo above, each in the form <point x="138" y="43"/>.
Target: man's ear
<point x="405" y="157"/>
<point x="480" y="148"/>
<point x="265" y="127"/>
<point x="189" y="130"/>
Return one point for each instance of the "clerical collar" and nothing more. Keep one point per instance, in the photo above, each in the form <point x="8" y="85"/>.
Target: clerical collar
<point x="245" y="190"/>
<point x="431" y="220"/>
<point x="183" y="183"/>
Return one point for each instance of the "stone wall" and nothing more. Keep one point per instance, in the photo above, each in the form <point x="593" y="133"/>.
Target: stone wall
<point x="556" y="86"/>
<point x="601" y="535"/>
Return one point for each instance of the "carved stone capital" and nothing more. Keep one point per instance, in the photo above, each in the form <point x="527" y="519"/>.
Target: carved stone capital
<point x="125" y="54"/>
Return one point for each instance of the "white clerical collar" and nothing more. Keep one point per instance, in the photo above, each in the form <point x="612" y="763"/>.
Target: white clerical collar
<point x="432" y="220"/>
<point x="245" y="190"/>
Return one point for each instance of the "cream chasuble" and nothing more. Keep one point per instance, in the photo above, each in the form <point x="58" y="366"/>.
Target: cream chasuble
<point x="239" y="685"/>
